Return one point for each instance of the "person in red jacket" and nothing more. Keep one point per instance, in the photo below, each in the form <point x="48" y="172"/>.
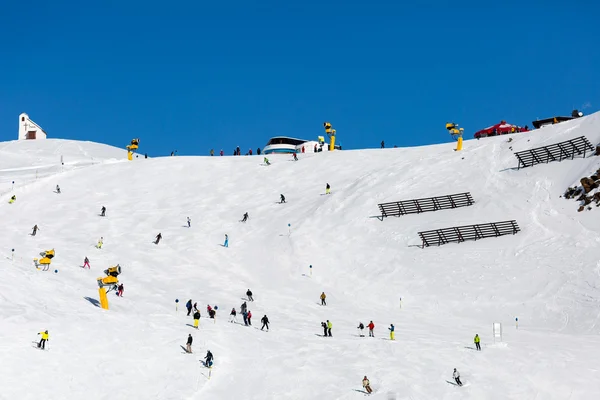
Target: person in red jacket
<point x="371" y="326"/>
<point x="249" y="316"/>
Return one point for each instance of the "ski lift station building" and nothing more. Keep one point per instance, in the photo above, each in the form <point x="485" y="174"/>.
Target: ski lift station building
<point x="288" y="145"/>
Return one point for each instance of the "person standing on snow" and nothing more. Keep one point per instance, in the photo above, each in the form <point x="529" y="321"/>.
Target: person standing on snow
<point x="367" y="385"/>
<point x="249" y="294"/>
<point x="196" y="307"/>
<point x="245" y="218"/>
<point x="265" y="322"/>
<point x="103" y="211"/>
<point x="456" y="376"/>
<point x="188" y="305"/>
<point x="226" y="244"/>
<point x="327" y="189"/>
<point x="324" y="326"/>
<point x="323" y="297"/>
<point x="391" y="329"/>
<point x="243" y="307"/>
<point x="208" y="360"/>
<point x="188" y="345"/>
<point x="361" y="327"/>
<point x="120" y="290"/>
<point x="245" y="315"/>
<point x="329" y="326"/>
<point x="100" y="243"/>
<point x="221" y="153"/>
<point x="382" y="144"/>
<point x="295" y="157"/>
<point x="35" y="229"/>
<point x="189" y="222"/>
<point x="42" y="343"/>
<point x="258" y="151"/>
<point x="477" y="340"/>
<point x="371" y="326"/>
<point x="249" y="317"/>
<point x="266" y="160"/>
<point x="232" y="316"/>
<point x="57" y="189"/>
<point x="86" y="263"/>
<point x="158" y="237"/>
<point x="212" y="152"/>
<point x="281" y="199"/>
<point x="196" y="319"/>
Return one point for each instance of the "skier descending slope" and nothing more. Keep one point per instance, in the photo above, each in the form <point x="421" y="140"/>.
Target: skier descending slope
<point x="249" y="294"/>
<point x="232" y="316"/>
<point x="391" y="329"/>
<point x="371" y="326"/>
<point x="158" y="237"/>
<point x="189" y="222"/>
<point x="367" y="385"/>
<point x="100" y="243"/>
<point x="57" y="189"/>
<point x="226" y="244"/>
<point x="323" y="297"/>
<point x="281" y="199"/>
<point x="103" y="211"/>
<point x="456" y="376"/>
<point x="196" y="319"/>
<point x="208" y="360"/>
<point x="188" y="345"/>
<point x="327" y="189"/>
<point x="361" y="327"/>
<point x="265" y="322"/>
<point x="477" y="341"/>
<point x="266" y="160"/>
<point x="120" y="290"/>
<point x="86" y="263"/>
<point x="42" y="343"/>
<point x="245" y="217"/>
<point x="188" y="305"/>
<point x="35" y="229"/>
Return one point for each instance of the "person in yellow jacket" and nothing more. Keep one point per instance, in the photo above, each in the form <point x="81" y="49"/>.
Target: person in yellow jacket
<point x="42" y="343"/>
<point x="477" y="340"/>
<point x="12" y="199"/>
<point x="100" y="243"/>
<point x="323" y="297"/>
<point x="391" y="329"/>
<point x="329" y="326"/>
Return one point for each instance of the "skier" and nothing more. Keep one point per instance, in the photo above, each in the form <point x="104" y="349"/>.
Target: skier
<point x="120" y="290"/>
<point x="258" y="151"/>
<point x="196" y="307"/>
<point x="245" y="315"/>
<point x="208" y="309"/>
<point x="57" y="189"/>
<point x="188" y="345"/>
<point x="266" y="160"/>
<point x="249" y="294"/>
<point x="158" y="237"/>
<point x="196" y="319"/>
<point x="103" y="211"/>
<point x="42" y="343"/>
<point x="324" y="326"/>
<point x="295" y="157"/>
<point x="250" y="151"/>
<point x="100" y="243"/>
<point x="281" y="199"/>
<point x="12" y="199"/>
<point x="189" y="222"/>
<point x="323" y="297"/>
<point x="243" y="307"/>
<point x="382" y="144"/>
<point x="245" y="218"/>
<point x="226" y="244"/>
<point x="232" y="316"/>
<point x="265" y="322"/>
<point x="35" y="229"/>
<point x="213" y="313"/>
<point x="208" y="360"/>
<point x="329" y="326"/>
<point x="371" y="326"/>
<point x="361" y="327"/>
<point x="477" y="340"/>
<point x="391" y="329"/>
<point x="456" y="376"/>
<point x="212" y="152"/>
<point x="221" y="153"/>
<point x="86" y="262"/>
<point x="328" y="189"/>
<point x="249" y="317"/>
<point x="367" y="385"/>
<point x="188" y="305"/>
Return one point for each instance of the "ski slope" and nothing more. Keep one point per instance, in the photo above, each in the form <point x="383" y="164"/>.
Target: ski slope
<point x="547" y="275"/>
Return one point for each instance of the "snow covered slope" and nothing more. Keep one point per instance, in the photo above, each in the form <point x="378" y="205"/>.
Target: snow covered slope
<point x="547" y="276"/>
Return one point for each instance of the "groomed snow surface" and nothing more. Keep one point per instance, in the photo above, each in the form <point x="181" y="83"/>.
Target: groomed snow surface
<point x="547" y="275"/>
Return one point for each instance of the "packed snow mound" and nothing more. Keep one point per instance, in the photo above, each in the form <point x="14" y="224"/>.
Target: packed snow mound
<point x="547" y="276"/>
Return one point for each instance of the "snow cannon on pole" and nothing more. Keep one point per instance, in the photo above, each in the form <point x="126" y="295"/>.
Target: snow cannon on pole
<point x="46" y="259"/>
<point x="111" y="281"/>
<point x="132" y="147"/>
<point x="456" y="133"/>
<point x="331" y="133"/>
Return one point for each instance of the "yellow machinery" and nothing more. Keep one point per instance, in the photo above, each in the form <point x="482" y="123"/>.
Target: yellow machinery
<point x="132" y="147"/>
<point x="331" y="133"/>
<point x="111" y="281"/>
<point x="46" y="259"/>
<point x="456" y="133"/>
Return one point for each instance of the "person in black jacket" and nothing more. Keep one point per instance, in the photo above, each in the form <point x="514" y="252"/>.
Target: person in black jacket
<point x="208" y="360"/>
<point x="188" y="305"/>
<point x="158" y="237"/>
<point x="189" y="343"/>
<point x="324" y="326"/>
<point x="103" y="211"/>
<point x="281" y="198"/>
<point x="265" y="322"/>
<point x="249" y="294"/>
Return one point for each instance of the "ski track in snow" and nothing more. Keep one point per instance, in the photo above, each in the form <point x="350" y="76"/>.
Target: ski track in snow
<point x="547" y="275"/>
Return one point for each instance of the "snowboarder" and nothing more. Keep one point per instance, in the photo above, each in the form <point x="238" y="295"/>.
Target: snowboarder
<point x="249" y="294"/>
<point x="323" y="297"/>
<point x="456" y="376"/>
<point x="245" y="315"/>
<point x="266" y="160"/>
<point x="367" y="385"/>
<point x="226" y="244"/>
<point x="249" y="317"/>
<point x="281" y="199"/>
<point x="477" y="341"/>
<point x="295" y="157"/>
<point x="208" y="360"/>
<point x="361" y="327"/>
<point x="103" y="211"/>
<point x="196" y="319"/>
<point x="371" y="326"/>
<point x="120" y="290"/>
<point x="245" y="218"/>
<point x="188" y="345"/>
<point x="158" y="237"/>
<point x="232" y="316"/>
<point x="188" y="305"/>
<point x="86" y="263"/>
<point x="265" y="322"/>
<point x="324" y="326"/>
<point x="391" y="329"/>
<point x="42" y="343"/>
<point x="12" y="199"/>
<point x="57" y="189"/>
<point x="327" y="189"/>
<point x="100" y="243"/>
<point x="35" y="229"/>
<point x="189" y="222"/>
<point x="329" y="326"/>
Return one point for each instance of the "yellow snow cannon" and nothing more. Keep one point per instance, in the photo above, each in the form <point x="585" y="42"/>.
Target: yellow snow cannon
<point x="47" y="256"/>
<point x="113" y="271"/>
<point x="454" y="130"/>
<point x="133" y="145"/>
<point x="110" y="280"/>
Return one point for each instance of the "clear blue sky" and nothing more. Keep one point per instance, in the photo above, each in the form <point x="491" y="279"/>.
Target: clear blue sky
<point x="196" y="75"/>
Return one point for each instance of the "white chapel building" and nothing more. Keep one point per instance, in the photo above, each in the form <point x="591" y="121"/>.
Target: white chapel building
<point x="29" y="130"/>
